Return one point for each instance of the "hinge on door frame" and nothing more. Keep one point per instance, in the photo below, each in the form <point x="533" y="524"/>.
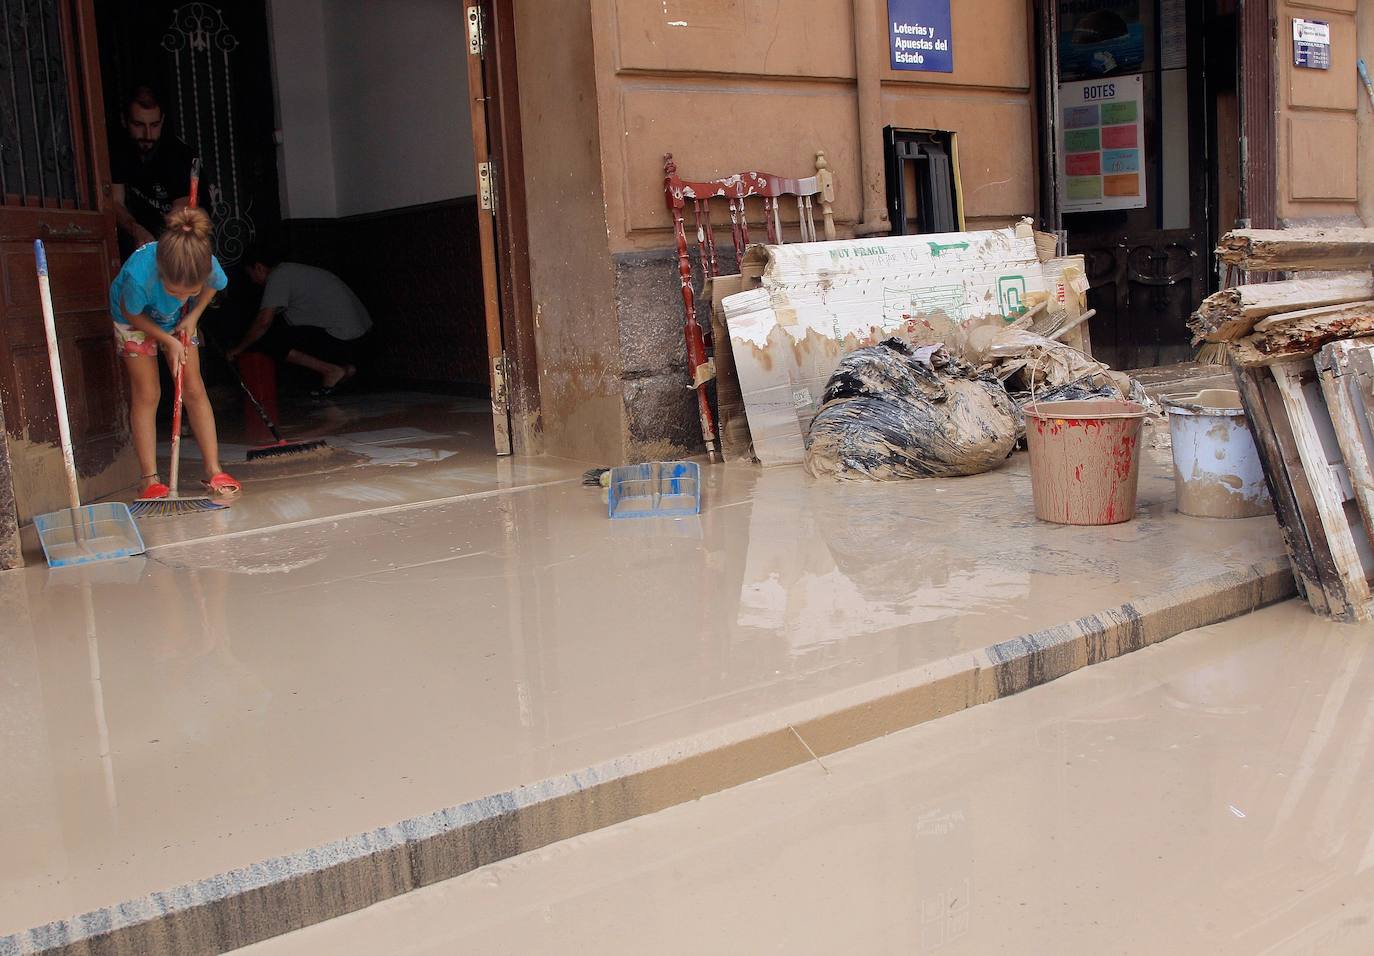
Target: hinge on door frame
<point x="500" y="368"/>
<point x="477" y="34"/>
<point x="486" y="186"/>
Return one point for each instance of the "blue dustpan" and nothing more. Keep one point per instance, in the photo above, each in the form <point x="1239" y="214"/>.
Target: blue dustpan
<point x="655" y="489"/>
<point x="82" y="533"/>
<point x="90" y="533"/>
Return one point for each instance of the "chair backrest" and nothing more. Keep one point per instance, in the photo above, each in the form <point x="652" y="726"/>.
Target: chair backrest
<point x="735" y="190"/>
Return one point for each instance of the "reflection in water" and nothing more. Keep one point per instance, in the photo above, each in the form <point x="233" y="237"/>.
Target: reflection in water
<point x="847" y="563"/>
<point x="275" y="691"/>
<point x="1209" y="795"/>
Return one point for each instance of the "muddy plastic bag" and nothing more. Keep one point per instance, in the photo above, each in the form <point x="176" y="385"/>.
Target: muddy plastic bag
<point x="891" y="411"/>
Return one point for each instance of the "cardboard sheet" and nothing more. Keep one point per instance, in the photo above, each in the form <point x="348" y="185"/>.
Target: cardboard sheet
<point x="821" y="300"/>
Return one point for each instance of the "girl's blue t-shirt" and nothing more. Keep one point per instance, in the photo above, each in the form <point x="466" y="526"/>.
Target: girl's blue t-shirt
<point x="140" y="289"/>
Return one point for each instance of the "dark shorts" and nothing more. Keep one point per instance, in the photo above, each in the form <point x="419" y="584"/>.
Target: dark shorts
<point x="282" y="337"/>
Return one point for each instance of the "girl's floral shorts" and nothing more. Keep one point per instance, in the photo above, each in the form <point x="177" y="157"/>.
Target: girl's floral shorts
<point x="135" y="342"/>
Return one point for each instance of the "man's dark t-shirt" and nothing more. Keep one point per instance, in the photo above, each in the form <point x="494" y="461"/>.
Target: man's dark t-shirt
<point x="151" y="186"/>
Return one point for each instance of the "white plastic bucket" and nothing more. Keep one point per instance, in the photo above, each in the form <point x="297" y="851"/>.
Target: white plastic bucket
<point x="1217" y="471"/>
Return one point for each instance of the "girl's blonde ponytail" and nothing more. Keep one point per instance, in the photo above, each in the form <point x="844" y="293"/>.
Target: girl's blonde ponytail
<point x="183" y="251"/>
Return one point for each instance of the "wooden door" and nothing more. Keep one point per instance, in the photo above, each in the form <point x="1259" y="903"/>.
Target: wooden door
<point x="502" y="226"/>
<point x="54" y="187"/>
<point x="486" y="147"/>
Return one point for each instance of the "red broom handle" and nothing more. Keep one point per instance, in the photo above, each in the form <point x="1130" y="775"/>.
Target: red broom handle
<point x="176" y="415"/>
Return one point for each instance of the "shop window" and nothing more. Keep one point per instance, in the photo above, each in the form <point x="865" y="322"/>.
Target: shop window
<point x="922" y="181"/>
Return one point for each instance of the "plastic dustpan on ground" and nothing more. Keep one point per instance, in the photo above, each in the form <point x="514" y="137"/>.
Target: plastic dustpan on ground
<point x="90" y="533"/>
<point x="656" y="489"/>
<point x="82" y="533"/>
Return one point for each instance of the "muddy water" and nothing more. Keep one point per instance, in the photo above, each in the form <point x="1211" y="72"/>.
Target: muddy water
<point x="1207" y="795"/>
<point x="387" y="450"/>
<point x="222" y="703"/>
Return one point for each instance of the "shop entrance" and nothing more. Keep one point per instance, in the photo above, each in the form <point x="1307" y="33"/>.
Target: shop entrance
<point x="1144" y="123"/>
<point x="326" y="141"/>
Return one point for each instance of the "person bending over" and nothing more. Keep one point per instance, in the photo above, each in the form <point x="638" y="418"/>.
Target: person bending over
<point x="308" y="317"/>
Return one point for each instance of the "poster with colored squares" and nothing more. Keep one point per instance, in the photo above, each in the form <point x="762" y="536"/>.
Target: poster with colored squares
<point x="1101" y="144"/>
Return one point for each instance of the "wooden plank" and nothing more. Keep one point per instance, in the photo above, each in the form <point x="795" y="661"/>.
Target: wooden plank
<point x="1294" y="335"/>
<point x="732" y="421"/>
<point x="1250" y="384"/>
<point x="1264" y="250"/>
<point x="1308" y="435"/>
<point x="1232" y="313"/>
<point x="1360" y="387"/>
<point x="1342" y="386"/>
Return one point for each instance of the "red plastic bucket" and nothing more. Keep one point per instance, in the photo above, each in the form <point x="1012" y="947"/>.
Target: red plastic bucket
<point x="260" y="375"/>
<point x="1084" y="460"/>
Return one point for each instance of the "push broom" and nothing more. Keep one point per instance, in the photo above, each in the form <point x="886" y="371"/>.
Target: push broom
<point x="280" y="448"/>
<point x="174" y="504"/>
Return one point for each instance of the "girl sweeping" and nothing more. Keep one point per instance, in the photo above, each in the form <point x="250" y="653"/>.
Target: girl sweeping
<point x="157" y="301"/>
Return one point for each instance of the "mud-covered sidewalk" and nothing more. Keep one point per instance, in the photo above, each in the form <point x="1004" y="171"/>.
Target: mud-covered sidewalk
<point x="290" y="723"/>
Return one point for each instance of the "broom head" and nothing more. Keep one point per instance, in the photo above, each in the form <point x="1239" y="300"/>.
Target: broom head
<point x="286" y="449"/>
<point x="172" y="507"/>
<point x="1212" y="353"/>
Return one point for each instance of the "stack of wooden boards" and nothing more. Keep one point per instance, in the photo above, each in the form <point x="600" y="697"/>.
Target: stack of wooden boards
<point x="1302" y="350"/>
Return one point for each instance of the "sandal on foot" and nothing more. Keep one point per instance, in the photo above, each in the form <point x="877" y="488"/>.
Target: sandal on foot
<point x="223" y="485"/>
<point x="155" y="491"/>
<point x="350" y="372"/>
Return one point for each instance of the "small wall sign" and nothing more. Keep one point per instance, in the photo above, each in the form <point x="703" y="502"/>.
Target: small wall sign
<point x="1312" y="44"/>
<point x="920" y="36"/>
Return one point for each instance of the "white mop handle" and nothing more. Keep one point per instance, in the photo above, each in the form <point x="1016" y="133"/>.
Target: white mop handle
<point x="59" y="391"/>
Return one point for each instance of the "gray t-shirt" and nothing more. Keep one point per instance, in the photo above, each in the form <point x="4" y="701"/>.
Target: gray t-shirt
<point x="315" y="297"/>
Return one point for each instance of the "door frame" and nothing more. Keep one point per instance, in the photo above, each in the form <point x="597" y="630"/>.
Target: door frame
<point x="1045" y="30"/>
<point x="494" y="94"/>
<point x="1258" y="92"/>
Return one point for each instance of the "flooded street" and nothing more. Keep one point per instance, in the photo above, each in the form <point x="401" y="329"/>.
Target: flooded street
<point x="348" y="685"/>
<point x="1206" y="795"/>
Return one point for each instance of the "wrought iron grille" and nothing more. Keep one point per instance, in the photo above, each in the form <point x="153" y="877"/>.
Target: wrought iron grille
<point x="201" y="45"/>
<point x="37" y="156"/>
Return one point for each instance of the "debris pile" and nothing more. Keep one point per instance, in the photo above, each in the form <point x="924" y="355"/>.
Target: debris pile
<point x="794" y="312"/>
<point x="1306" y="380"/>
<point x="1002" y="309"/>
<point x="892" y="411"/>
<point x="1036" y="367"/>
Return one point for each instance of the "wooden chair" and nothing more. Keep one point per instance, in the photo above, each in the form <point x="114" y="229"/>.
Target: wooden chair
<point x="735" y="190"/>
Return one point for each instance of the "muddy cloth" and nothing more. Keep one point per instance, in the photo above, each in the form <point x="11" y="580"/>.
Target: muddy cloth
<point x="892" y="412"/>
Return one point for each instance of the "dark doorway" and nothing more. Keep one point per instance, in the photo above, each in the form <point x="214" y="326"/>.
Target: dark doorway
<point x="211" y="69"/>
<point x="1136" y="191"/>
<point x="411" y="256"/>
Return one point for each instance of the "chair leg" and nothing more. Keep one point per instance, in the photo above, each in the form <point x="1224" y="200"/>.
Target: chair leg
<point x="697" y="363"/>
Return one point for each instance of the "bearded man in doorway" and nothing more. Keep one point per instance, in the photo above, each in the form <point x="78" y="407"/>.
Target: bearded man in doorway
<point x="150" y="170"/>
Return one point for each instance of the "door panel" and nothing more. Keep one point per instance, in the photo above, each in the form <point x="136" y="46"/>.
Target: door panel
<point x="1143" y="286"/>
<point x="54" y="188"/>
<point x="76" y="271"/>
